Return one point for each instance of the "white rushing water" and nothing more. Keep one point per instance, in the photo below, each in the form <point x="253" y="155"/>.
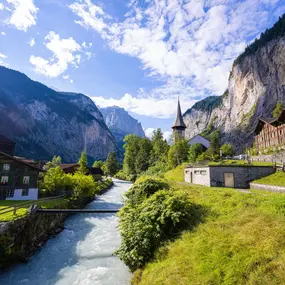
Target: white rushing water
<point x="82" y="254"/>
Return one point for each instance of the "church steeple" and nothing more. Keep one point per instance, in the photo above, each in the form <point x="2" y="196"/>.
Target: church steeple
<point x="179" y="125"/>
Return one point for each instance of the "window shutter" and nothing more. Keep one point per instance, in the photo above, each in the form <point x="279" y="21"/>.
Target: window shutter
<point x="10" y="180"/>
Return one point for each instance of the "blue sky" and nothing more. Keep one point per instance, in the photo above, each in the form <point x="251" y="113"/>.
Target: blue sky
<point x="139" y="55"/>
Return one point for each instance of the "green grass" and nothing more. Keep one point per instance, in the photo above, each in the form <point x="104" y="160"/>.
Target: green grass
<point x="240" y="241"/>
<point x="22" y="211"/>
<point x="240" y="163"/>
<point x="176" y="174"/>
<point x="276" y="179"/>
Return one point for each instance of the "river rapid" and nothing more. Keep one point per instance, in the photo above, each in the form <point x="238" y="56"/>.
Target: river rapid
<point x="82" y="254"/>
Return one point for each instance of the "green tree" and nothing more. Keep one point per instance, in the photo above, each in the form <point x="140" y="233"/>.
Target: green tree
<point x="159" y="147"/>
<point x="83" y="163"/>
<point x="278" y="109"/>
<point x="98" y="164"/>
<point x="131" y="148"/>
<point x="194" y="151"/>
<point x="83" y="185"/>
<point x="215" y="142"/>
<point x="56" y="161"/>
<point x="142" y="161"/>
<point x="178" y="153"/>
<point x="227" y="149"/>
<point x="111" y="164"/>
<point x="55" y="181"/>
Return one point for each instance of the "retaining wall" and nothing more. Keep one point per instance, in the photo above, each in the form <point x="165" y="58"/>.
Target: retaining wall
<point x="271" y="188"/>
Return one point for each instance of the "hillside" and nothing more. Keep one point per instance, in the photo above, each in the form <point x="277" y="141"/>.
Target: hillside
<point x="256" y="83"/>
<point x="44" y="122"/>
<point x="121" y="123"/>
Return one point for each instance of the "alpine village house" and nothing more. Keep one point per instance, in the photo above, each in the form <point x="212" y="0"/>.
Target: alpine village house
<point x="18" y="179"/>
<point x="270" y="132"/>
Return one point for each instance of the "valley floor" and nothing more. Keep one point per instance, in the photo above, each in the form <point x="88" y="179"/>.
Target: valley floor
<point x="240" y="240"/>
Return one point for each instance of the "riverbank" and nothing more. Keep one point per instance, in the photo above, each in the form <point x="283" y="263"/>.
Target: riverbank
<point x="22" y="237"/>
<point x="83" y="253"/>
<point x="239" y="240"/>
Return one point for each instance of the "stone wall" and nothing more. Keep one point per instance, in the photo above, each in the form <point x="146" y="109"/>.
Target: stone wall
<point x="20" y="238"/>
<point x="271" y="188"/>
<point x="278" y="157"/>
<point x="242" y="175"/>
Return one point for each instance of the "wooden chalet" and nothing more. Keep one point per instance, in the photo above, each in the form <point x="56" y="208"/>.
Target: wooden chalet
<point x="69" y="167"/>
<point x="270" y="132"/>
<point x="7" y="145"/>
<point x="18" y="179"/>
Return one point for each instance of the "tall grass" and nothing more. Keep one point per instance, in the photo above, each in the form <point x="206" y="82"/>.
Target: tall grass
<point x="241" y="241"/>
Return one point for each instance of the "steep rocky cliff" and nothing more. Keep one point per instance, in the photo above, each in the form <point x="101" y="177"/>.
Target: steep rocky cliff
<point x="256" y="83"/>
<point x="44" y="122"/>
<point x="121" y="123"/>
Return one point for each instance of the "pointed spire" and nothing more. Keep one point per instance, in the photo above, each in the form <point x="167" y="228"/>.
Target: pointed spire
<point x="179" y="123"/>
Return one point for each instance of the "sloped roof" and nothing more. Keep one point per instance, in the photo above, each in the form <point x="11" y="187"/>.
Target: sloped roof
<point x="68" y="165"/>
<point x="5" y="139"/>
<point x="179" y="123"/>
<point x="21" y="161"/>
<point x="271" y="121"/>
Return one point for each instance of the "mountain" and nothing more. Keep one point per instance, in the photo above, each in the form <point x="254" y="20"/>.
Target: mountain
<point x="256" y="83"/>
<point x="44" y="122"/>
<point x="121" y="123"/>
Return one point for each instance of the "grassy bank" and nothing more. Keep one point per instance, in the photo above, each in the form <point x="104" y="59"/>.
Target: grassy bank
<point x="73" y="202"/>
<point x="241" y="240"/>
<point x="276" y="179"/>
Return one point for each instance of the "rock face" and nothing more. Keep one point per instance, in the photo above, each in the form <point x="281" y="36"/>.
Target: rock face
<point x="121" y="123"/>
<point x="256" y="83"/>
<point x="44" y="122"/>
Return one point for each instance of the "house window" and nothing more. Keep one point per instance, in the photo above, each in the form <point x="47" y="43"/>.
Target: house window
<point x="6" y="166"/>
<point x="203" y="172"/>
<point x="26" y="180"/>
<point x="4" y="180"/>
<point x="25" y="192"/>
<point x="10" y="193"/>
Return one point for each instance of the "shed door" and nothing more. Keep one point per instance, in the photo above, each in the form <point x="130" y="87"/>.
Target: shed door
<point x="229" y="180"/>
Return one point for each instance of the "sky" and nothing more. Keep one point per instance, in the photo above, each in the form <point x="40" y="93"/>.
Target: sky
<point x="139" y="55"/>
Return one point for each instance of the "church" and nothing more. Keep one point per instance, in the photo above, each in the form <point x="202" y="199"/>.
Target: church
<point x="179" y="128"/>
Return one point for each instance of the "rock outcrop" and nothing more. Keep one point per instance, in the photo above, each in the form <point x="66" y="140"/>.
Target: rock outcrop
<point x="256" y="83"/>
<point x="121" y="123"/>
<point x="44" y="122"/>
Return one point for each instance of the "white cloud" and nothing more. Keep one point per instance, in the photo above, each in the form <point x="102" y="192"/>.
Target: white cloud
<point x="2" y="6"/>
<point x="24" y="14"/>
<point x="3" y="33"/>
<point x="67" y="77"/>
<point x="2" y="57"/>
<point x="148" y="106"/>
<point x="65" y="53"/>
<point x="32" y="42"/>
<point x="167" y="135"/>
<point x="194" y="42"/>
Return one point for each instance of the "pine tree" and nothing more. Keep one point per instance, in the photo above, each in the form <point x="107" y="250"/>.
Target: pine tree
<point x="111" y="164"/>
<point x="83" y="163"/>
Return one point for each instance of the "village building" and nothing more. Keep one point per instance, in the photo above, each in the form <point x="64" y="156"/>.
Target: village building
<point x="18" y="179"/>
<point x="179" y="125"/>
<point x="225" y="175"/>
<point x="270" y="132"/>
<point x="201" y="140"/>
<point x="69" y="168"/>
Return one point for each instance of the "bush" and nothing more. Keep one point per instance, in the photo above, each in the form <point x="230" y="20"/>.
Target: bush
<point x="143" y="190"/>
<point x="147" y="225"/>
<point x="83" y="185"/>
<point x="194" y="151"/>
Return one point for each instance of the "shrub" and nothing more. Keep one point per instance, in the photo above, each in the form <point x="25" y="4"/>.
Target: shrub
<point x="143" y="190"/>
<point x="194" y="151"/>
<point x="83" y="185"/>
<point x="147" y="225"/>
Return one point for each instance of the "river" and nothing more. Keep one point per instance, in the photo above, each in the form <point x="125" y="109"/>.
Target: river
<point x="82" y="254"/>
